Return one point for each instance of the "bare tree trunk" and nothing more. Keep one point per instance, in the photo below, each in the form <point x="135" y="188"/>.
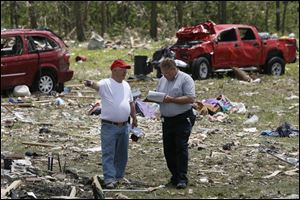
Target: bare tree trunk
<point x="285" y="3"/>
<point x="108" y="16"/>
<point x="11" y="8"/>
<point x="14" y="17"/>
<point x="103" y="18"/>
<point x="297" y="17"/>
<point x="153" y="29"/>
<point x="222" y="12"/>
<point x="206" y="10"/>
<point x="32" y="14"/>
<point x="193" y="13"/>
<point x="60" y="23"/>
<point x="85" y="16"/>
<point x="78" y="20"/>
<point x="66" y="17"/>
<point x="267" y="16"/>
<point x="277" y="16"/>
<point x="179" y="8"/>
<point x="126" y="8"/>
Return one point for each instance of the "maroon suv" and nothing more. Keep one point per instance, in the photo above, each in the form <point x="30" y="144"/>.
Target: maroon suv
<point x="36" y="58"/>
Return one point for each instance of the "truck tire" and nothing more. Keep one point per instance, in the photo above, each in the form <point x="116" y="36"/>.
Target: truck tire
<point x="46" y="83"/>
<point x="201" y="68"/>
<point x="275" y="66"/>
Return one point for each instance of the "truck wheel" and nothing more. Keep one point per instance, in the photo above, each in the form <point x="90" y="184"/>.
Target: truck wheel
<point x="46" y="83"/>
<point x="275" y="66"/>
<point x="201" y="68"/>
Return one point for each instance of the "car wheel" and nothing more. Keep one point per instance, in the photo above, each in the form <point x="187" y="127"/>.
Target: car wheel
<point x="275" y="66"/>
<point x="46" y="83"/>
<point x="201" y="68"/>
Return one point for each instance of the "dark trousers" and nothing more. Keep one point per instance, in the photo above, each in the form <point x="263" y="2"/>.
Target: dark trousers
<point x="176" y="133"/>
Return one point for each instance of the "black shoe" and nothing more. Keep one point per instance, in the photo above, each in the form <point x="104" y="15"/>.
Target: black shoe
<point x="170" y="184"/>
<point x="181" y="185"/>
<point x="111" y="185"/>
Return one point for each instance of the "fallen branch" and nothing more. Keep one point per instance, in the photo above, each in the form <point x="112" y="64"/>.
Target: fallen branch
<point x="125" y="190"/>
<point x="280" y="158"/>
<point x="38" y="144"/>
<point x="18" y="104"/>
<point x="75" y="85"/>
<point x="64" y="197"/>
<point x="82" y="97"/>
<point x="97" y="189"/>
<point x="150" y="189"/>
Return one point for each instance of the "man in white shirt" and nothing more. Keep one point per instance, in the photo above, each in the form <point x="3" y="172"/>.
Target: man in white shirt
<point x="117" y="105"/>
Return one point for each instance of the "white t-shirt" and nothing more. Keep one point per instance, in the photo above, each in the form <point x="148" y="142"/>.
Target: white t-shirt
<point x="115" y="100"/>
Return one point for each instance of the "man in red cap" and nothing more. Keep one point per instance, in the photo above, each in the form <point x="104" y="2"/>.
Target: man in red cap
<point x="117" y="107"/>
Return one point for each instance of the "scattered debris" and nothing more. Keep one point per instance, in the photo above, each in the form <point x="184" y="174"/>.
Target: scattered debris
<point x="273" y="174"/>
<point x="12" y="186"/>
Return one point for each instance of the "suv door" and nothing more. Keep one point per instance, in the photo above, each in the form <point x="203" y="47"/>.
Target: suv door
<point x="14" y="68"/>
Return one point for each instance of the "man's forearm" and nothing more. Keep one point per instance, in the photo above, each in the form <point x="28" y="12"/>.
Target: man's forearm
<point x="133" y="113"/>
<point x="179" y="100"/>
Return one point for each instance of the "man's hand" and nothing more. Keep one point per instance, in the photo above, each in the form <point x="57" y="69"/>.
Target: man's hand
<point x="87" y="83"/>
<point x="134" y="122"/>
<point x="168" y="99"/>
<point x="91" y="84"/>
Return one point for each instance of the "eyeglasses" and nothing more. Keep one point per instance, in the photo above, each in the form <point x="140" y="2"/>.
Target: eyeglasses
<point x="167" y="72"/>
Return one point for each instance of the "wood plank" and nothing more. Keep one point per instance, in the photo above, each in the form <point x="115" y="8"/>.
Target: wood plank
<point x="38" y="144"/>
<point x="18" y="104"/>
<point x="12" y="186"/>
<point x="64" y="197"/>
<point x="97" y="189"/>
<point x="73" y="192"/>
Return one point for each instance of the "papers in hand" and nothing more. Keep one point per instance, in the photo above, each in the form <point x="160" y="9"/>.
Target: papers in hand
<point x="155" y="96"/>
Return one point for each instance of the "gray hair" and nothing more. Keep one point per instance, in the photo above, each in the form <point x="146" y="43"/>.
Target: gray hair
<point x="168" y="63"/>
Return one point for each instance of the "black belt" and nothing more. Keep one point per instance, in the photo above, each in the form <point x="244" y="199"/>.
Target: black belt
<point x="114" y="123"/>
<point x="183" y="115"/>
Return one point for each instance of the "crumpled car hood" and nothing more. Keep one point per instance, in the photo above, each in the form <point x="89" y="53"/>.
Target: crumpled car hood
<point x="198" y="32"/>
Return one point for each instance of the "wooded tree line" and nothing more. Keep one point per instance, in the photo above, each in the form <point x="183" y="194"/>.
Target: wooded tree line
<point x="156" y="19"/>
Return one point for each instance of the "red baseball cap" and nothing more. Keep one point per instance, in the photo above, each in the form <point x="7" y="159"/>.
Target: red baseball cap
<point x="120" y="63"/>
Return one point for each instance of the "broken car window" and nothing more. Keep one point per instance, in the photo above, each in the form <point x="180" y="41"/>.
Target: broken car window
<point x="41" y="44"/>
<point x="246" y="34"/>
<point x="227" y="36"/>
<point x="12" y="45"/>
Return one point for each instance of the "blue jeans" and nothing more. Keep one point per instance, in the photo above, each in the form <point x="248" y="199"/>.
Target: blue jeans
<point x="114" y="144"/>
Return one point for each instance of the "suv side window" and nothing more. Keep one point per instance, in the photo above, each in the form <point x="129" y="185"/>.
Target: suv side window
<point x="246" y="34"/>
<point x="227" y="36"/>
<point x="41" y="44"/>
<point x="11" y="46"/>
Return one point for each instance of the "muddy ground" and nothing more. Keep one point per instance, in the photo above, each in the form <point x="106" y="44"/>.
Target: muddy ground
<point x="228" y="159"/>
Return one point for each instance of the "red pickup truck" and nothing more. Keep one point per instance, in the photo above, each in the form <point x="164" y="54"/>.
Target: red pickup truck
<point x="208" y="48"/>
